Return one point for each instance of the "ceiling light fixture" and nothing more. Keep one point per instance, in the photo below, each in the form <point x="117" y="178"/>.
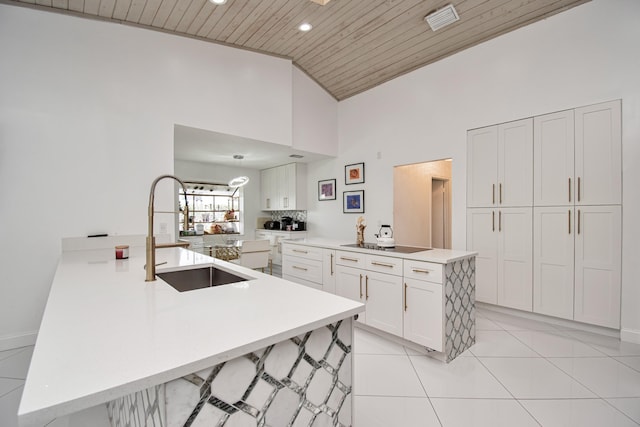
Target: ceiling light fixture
<point x="218" y="2"/>
<point x="238" y="181"/>
<point x="305" y="26"/>
<point x="442" y="17"/>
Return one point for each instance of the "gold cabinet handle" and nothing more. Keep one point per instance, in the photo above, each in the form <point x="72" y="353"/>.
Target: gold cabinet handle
<point x="331" y="264"/>
<point x="569" y="211"/>
<point x="500" y="193"/>
<point x="578" y="218"/>
<point x="382" y="264"/>
<point x="578" y="191"/>
<point x="569" y="189"/>
<point x="493" y="194"/>
<point x="349" y="259"/>
<point x="301" y="252"/>
<point x="299" y="268"/>
<point x="361" y="286"/>
<point x="493" y="220"/>
<point x="499" y="220"/>
<point x="405" y="297"/>
<point x="366" y="287"/>
<point x="417" y="270"/>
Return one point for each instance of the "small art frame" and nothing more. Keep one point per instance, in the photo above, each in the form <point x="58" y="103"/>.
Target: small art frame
<point x="353" y="201"/>
<point x="354" y="174"/>
<point x="327" y="189"/>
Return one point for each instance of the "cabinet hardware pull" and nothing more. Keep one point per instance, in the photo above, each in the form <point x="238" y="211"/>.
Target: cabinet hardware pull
<point x="349" y="259"/>
<point x="268" y="203"/>
<point x="578" y="192"/>
<point x="499" y="220"/>
<point x="493" y="192"/>
<point x="417" y="270"/>
<point x="299" y="251"/>
<point x="299" y="268"/>
<point x="361" y="286"/>
<point x="405" y="297"/>
<point x="569" y="212"/>
<point x="578" y="218"/>
<point x="493" y="220"/>
<point x="366" y="287"/>
<point x="331" y="263"/>
<point x="569" y="189"/>
<point x="500" y="193"/>
<point x="381" y="264"/>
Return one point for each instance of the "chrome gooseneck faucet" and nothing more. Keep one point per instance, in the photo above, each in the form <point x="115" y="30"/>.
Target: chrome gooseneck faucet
<point x="151" y="241"/>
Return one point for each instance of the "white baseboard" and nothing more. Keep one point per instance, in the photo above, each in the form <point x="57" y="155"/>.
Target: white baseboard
<point x="9" y="342"/>
<point x="630" y="335"/>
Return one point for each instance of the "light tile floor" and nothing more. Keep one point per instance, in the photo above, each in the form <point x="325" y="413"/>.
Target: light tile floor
<point x="520" y="373"/>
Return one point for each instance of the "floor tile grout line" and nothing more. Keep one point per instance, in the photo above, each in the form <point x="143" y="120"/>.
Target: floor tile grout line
<point x="415" y="371"/>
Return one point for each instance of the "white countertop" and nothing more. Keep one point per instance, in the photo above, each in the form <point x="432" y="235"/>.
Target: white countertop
<point x="440" y="256"/>
<point x="106" y="332"/>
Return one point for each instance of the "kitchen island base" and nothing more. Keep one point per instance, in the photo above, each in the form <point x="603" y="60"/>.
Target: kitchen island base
<point x="302" y="381"/>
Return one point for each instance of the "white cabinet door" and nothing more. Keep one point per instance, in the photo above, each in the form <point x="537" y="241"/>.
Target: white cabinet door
<point x="423" y="313"/>
<point x="329" y="270"/>
<point x="482" y="166"/>
<point x="383" y="296"/>
<point x="553" y="165"/>
<point x="268" y="186"/>
<point x="287" y="181"/>
<point x="515" y="258"/>
<point x="553" y="259"/>
<point x="598" y="252"/>
<point x="598" y="154"/>
<point x="350" y="284"/>
<point x="515" y="163"/>
<point x="482" y="237"/>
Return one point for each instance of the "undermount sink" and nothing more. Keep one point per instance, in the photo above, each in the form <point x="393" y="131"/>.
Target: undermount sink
<point x="198" y="278"/>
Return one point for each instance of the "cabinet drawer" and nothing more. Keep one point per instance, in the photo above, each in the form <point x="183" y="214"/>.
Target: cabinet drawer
<point x="307" y="252"/>
<point x="384" y="264"/>
<point x="350" y="259"/>
<point x="421" y="270"/>
<point x="307" y="269"/>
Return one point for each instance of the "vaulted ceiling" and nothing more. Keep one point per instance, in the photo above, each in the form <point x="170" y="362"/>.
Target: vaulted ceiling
<point x="354" y="45"/>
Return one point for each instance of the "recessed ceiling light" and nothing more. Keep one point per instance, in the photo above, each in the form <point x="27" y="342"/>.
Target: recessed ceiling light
<point x="305" y="26"/>
<point x="238" y="156"/>
<point x="218" y="2"/>
<point x="296" y="156"/>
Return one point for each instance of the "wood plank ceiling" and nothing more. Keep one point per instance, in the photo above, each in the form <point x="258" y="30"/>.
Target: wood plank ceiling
<point x="354" y="44"/>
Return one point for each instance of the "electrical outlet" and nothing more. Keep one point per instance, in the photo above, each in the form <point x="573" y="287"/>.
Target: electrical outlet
<point x="163" y="228"/>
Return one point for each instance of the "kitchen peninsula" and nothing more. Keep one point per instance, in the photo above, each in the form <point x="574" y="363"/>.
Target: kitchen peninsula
<point x="420" y="297"/>
<point x="259" y="349"/>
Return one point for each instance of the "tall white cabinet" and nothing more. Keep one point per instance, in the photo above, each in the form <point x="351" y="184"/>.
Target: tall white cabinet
<point x="570" y="235"/>
<point x="283" y="187"/>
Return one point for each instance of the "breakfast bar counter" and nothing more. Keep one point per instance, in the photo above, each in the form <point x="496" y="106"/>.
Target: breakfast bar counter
<point x="107" y="335"/>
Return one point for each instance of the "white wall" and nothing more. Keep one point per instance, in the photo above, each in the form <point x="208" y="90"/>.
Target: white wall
<point x="87" y="110"/>
<point x="207" y="172"/>
<point x="582" y="56"/>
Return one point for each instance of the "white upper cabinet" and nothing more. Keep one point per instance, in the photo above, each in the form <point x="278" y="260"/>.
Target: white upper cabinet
<point x="500" y="171"/>
<point x="598" y="154"/>
<point x="553" y="148"/>
<point x="283" y="188"/>
<point x="578" y="155"/>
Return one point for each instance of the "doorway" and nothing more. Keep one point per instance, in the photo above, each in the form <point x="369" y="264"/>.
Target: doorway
<point x="440" y="213"/>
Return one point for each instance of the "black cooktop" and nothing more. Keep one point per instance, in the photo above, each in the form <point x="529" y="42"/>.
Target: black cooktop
<point x="398" y="249"/>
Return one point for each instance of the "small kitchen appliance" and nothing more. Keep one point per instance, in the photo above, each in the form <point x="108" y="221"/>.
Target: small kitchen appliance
<point x="272" y="225"/>
<point x="385" y="237"/>
<point x="286" y="222"/>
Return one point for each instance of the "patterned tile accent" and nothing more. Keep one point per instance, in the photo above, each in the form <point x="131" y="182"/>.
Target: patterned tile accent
<point x="303" y="381"/>
<point x="142" y="409"/>
<point x="460" y="307"/>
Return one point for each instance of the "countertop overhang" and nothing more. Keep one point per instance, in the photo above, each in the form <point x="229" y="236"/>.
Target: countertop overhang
<point x="439" y="256"/>
<point x="106" y="333"/>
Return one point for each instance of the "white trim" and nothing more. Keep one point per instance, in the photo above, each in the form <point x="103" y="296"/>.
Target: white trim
<point x="9" y="342"/>
<point x="630" y="335"/>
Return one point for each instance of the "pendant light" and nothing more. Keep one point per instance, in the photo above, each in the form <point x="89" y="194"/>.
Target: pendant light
<point x="238" y="181"/>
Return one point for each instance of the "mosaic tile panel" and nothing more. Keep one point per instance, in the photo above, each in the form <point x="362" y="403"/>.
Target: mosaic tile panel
<point x="303" y="381"/>
<point x="460" y="307"/>
<point x="142" y="409"/>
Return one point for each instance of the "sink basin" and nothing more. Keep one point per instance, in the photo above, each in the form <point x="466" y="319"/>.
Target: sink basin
<point x="198" y="278"/>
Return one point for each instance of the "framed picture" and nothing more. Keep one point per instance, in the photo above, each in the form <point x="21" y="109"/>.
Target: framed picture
<point x="354" y="174"/>
<point x="327" y="189"/>
<point x="353" y="201"/>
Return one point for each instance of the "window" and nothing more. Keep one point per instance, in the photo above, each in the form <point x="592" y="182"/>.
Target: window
<point x="217" y="207"/>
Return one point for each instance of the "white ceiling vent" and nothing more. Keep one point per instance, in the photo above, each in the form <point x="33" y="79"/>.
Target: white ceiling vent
<point x="442" y="17"/>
